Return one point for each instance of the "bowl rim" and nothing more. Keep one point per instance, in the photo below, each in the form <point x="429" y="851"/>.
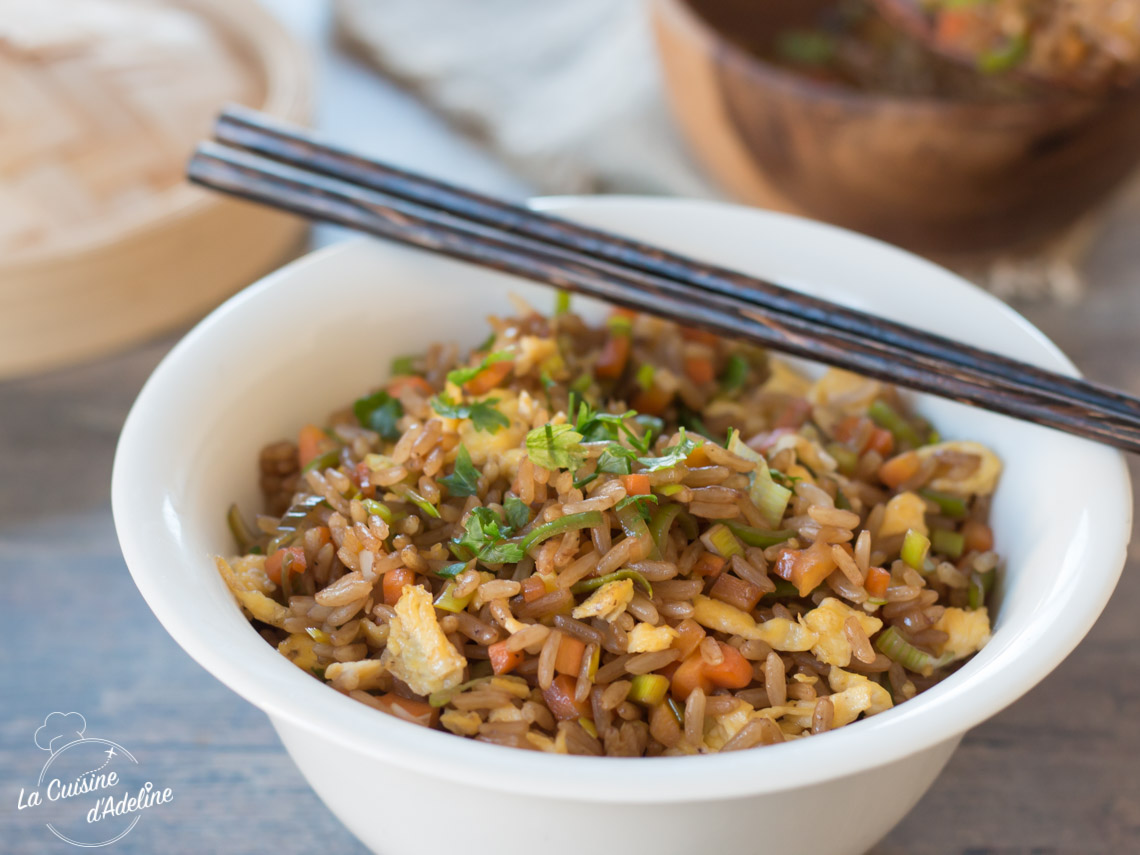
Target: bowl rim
<point x="938" y="716"/>
<point x="680" y="14"/>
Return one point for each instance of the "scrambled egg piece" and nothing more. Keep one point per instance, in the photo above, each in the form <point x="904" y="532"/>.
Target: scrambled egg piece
<point x="256" y="603"/>
<point x="298" y="649"/>
<point x="647" y="638"/>
<point x="250" y="572"/>
<point x="906" y="510"/>
<point x="981" y="482"/>
<point x="854" y="694"/>
<point x="726" y="726"/>
<point x="607" y="602"/>
<point x="482" y="444"/>
<point x="418" y="652"/>
<point x="968" y="630"/>
<point x="827" y="621"/>
<point x="780" y="633"/>
<point x="838" y="393"/>
<point x="365" y="674"/>
<point x="461" y="723"/>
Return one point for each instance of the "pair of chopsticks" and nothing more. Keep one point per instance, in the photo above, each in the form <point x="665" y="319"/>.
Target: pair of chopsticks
<point x="257" y="158"/>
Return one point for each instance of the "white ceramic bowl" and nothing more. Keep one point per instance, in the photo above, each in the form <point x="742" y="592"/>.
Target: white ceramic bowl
<point x="313" y="335"/>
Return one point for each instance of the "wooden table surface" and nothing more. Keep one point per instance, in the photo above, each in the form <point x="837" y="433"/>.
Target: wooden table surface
<point x="1056" y="774"/>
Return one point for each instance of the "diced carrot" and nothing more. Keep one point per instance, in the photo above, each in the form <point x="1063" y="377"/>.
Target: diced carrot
<point x="417" y="712"/>
<point x="560" y="699"/>
<point x="489" y="377"/>
<point x="899" y="469"/>
<point x="323" y="535"/>
<point x="636" y="485"/>
<point x="411" y="381"/>
<point x="503" y="661"/>
<point x="978" y="536"/>
<point x="310" y="444"/>
<point x="736" y="592"/>
<point x="689" y="635"/>
<point x="701" y="336"/>
<point x="623" y="312"/>
<point x="734" y="671"/>
<point x="394" y="583"/>
<point x="882" y="441"/>
<point x="805" y="568"/>
<point x="532" y="588"/>
<point x="878" y="580"/>
<point x="689" y="675"/>
<point x="569" y="658"/>
<point x="708" y="565"/>
<point x="275" y="562"/>
<point x="953" y="25"/>
<point x="700" y="370"/>
<point x="652" y="401"/>
<point x="613" y="357"/>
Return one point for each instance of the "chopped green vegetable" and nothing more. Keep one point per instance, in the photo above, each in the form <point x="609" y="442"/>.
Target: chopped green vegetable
<point x="672" y="456"/>
<point x="379" y="412"/>
<point x="914" y="549"/>
<point x="677" y="710"/>
<point x="378" y="509"/>
<point x="724" y="544"/>
<point x="555" y="447"/>
<point x="483" y="414"/>
<point x="561" y="302"/>
<point x="318" y="635"/>
<point x="619" y="325"/>
<point x="638" y="503"/>
<point x="323" y="461"/>
<point x="847" y="459"/>
<point x="735" y="374"/>
<point x="661" y="522"/>
<point x="451" y="570"/>
<point x="892" y="645"/>
<point x="770" y="498"/>
<point x="784" y="589"/>
<point x="402" y="366"/>
<point x="951" y="505"/>
<point x="588" y="726"/>
<point x="289" y="526"/>
<point x="464" y="479"/>
<point x="518" y="514"/>
<point x="1005" y="57"/>
<point x="462" y="375"/>
<point x="885" y="416"/>
<point x="443" y="697"/>
<point x="512" y="551"/>
<point x="670" y="489"/>
<point x="244" y="537"/>
<point x="805" y="47"/>
<point x="946" y="542"/>
<point x="416" y="499"/>
<point x="648" y="689"/>
<point x="980" y="586"/>
<point x="449" y="602"/>
<point x="688" y="419"/>
<point x="319" y="673"/>
<point x="644" y="376"/>
<point x="482" y="529"/>
<point x="588" y="585"/>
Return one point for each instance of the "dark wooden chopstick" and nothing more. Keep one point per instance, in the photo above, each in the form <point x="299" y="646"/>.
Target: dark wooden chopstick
<point x="320" y="197"/>
<point x="256" y="132"/>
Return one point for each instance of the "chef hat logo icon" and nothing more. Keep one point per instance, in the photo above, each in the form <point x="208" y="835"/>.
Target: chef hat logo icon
<point x="60" y="729"/>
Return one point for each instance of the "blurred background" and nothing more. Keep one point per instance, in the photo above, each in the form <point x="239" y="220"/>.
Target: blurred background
<point x="1000" y="138"/>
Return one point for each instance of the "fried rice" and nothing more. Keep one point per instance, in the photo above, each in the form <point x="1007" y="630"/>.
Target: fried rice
<point x="631" y="539"/>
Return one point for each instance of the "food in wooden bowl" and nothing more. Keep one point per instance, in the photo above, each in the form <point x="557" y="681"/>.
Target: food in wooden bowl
<point x="956" y="168"/>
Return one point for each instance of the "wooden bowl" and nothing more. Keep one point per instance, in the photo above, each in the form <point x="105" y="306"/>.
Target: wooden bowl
<point x="113" y="283"/>
<point x="947" y="178"/>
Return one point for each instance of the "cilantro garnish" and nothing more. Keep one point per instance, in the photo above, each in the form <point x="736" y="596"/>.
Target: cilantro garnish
<point x="555" y="447"/>
<point x="483" y="414"/>
<point x="464" y="480"/>
<point x="672" y="455"/>
<point x="403" y="366"/>
<point x="379" y="412"/>
<point x="639" y="503"/>
<point x="461" y="375"/>
<point x="518" y="514"/>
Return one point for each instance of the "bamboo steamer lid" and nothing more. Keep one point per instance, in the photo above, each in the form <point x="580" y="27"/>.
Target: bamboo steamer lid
<point x="102" y="242"/>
